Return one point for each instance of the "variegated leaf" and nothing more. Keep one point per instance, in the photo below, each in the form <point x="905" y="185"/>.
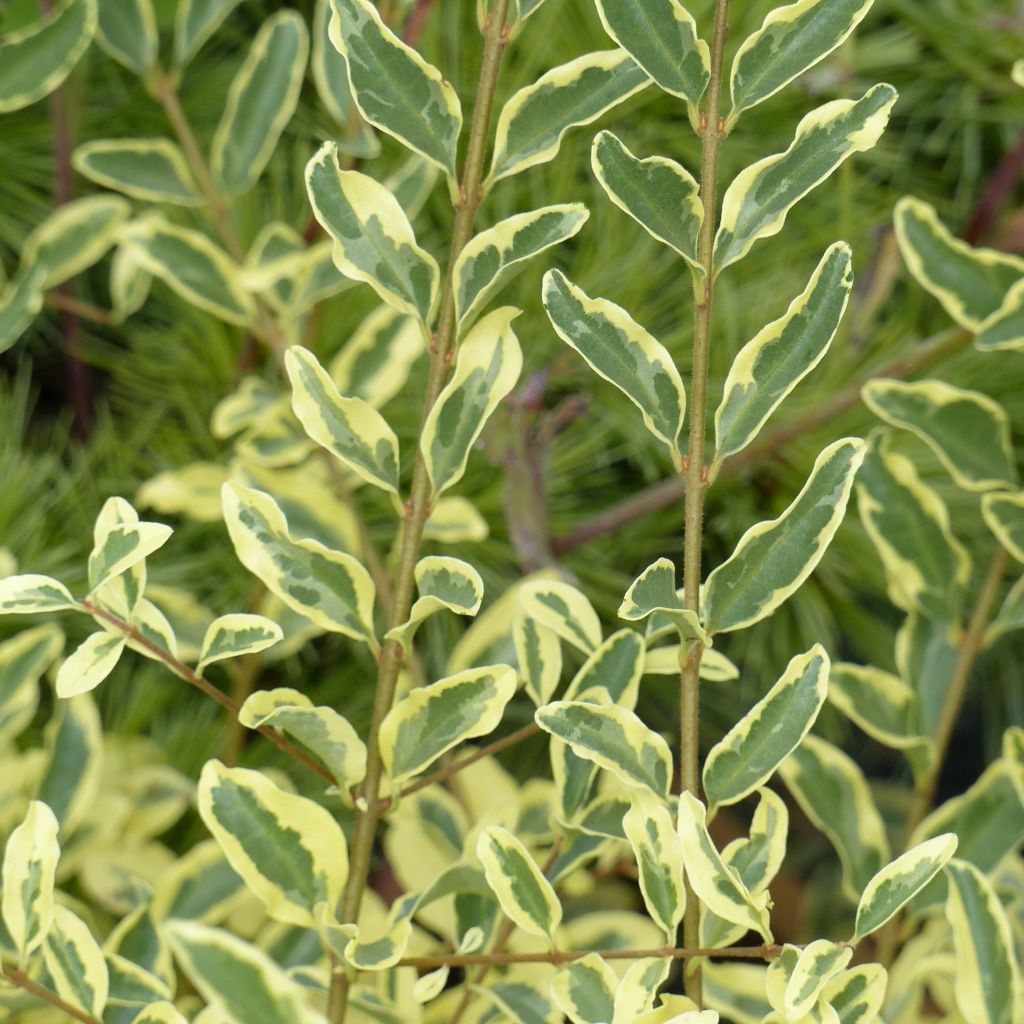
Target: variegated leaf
<point x="191" y="265"/>
<point x="127" y="30"/>
<point x="161" y="1012"/>
<point x="486" y="369"/>
<point x="232" y="636"/>
<point x="832" y="791"/>
<point x="614" y="739"/>
<point x="661" y="36"/>
<point x="260" y="101"/>
<point x="75" y="962"/>
<point x="394" y="87"/>
<point x="73" y="741"/>
<point x="585" y="990"/>
<point x="791" y="40"/>
<point x="756" y="859"/>
<point x="987" y="981"/>
<point x="747" y="756"/>
<point x="1003" y="330"/>
<point x="659" y="857"/>
<point x="153" y="170"/>
<point x="927" y="568"/>
<point x="539" y="655"/>
<point x="857" y="994"/>
<point x="36" y="59"/>
<point x="75" y="236"/>
<point x="434" y="718"/>
<point x="654" y="592"/>
<point x="622" y="352"/>
<point x="330" y="75"/>
<point x="21" y="301"/>
<point x="89" y="664"/>
<point x="970" y="283"/>
<point x="329" y="587"/>
<point x="23" y="660"/>
<point x="756" y="203"/>
<point x="121" y="541"/>
<point x="493" y="257"/>
<point x="349" y="428"/>
<point x="659" y="194"/>
<point x="131" y="985"/>
<point x="1004" y="515"/>
<point x="718" y="888"/>
<point x="442" y="582"/>
<point x="771" y="364"/>
<point x="532" y="123"/>
<point x="373" y="239"/>
<point x="194" y="23"/>
<point x="882" y="704"/>
<point x="235" y="977"/>
<point x="968" y="431"/>
<point x="375" y="362"/>
<point x="635" y="993"/>
<point x="773" y="558"/>
<point x="289" y="850"/>
<point x="817" y="964"/>
<point x="525" y="895"/>
<point x="29" y="870"/>
<point x="321" y="730"/>
<point x="897" y="883"/>
<point x="32" y="594"/>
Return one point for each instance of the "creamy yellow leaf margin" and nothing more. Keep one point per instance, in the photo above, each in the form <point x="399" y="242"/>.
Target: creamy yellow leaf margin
<point x="90" y="663"/>
<point x="717" y="887"/>
<point x="75" y="962"/>
<point x="434" y="718"/>
<point x="539" y="655"/>
<point x="290" y="851"/>
<point x="487" y="367"/>
<point x="1004" y="516"/>
<point x="231" y="636"/>
<point x="87" y="160"/>
<point x="29" y="870"/>
<point x="349" y="428"/>
<point x="563" y="609"/>
<point x="443" y="582"/>
<point x="525" y="895"/>
<point x="900" y="881"/>
<point x="817" y="964"/>
<point x="659" y="856"/>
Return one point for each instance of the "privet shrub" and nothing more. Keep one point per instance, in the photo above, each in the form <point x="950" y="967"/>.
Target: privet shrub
<point x="272" y="920"/>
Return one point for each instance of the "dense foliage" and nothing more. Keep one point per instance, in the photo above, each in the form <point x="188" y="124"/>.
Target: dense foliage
<point x="447" y="750"/>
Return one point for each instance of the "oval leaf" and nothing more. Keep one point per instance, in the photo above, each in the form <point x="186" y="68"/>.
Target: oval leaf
<point x="791" y="40"/>
<point x="1004" y="515"/>
<point x="394" y="87"/>
<point x="29" y="870"/>
<point x="232" y="636"/>
<point x="75" y="962"/>
<point x="153" y="170"/>
<point x="661" y="36"/>
<point x="486" y="369"/>
<point x="349" y="428"/>
<point x="659" y="194"/>
<point x="442" y="582"/>
<point x="289" y="850"/>
<point x="897" y="883"/>
<point x="493" y="257"/>
<point x="329" y="587"/>
<point x="532" y="123"/>
<point x="127" y="30"/>
<point x="32" y="594"/>
<point x="564" y="609"/>
<point x="747" y="756"/>
<point x="622" y="352"/>
<point x="774" y="558"/>
<point x="756" y="203"/>
<point x="968" y="432"/>
<point x="659" y="858"/>
<point x="772" y="363"/>
<point x="434" y="718"/>
<point x="90" y="663"/>
<point x="614" y="739"/>
<point x="373" y="239"/>
<point x="524" y="893"/>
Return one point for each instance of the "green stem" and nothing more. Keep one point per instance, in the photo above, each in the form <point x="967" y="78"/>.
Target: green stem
<point x="713" y="129"/>
<point x="442" y="350"/>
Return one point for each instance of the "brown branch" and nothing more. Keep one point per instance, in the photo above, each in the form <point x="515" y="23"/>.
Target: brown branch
<point x="769" y="951"/>
<point x="86" y="310"/>
<point x="454" y="767"/>
<point x="669" y="492"/>
<point x="24" y="982"/>
<point x="1000" y="188"/>
<point x="183" y="671"/>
